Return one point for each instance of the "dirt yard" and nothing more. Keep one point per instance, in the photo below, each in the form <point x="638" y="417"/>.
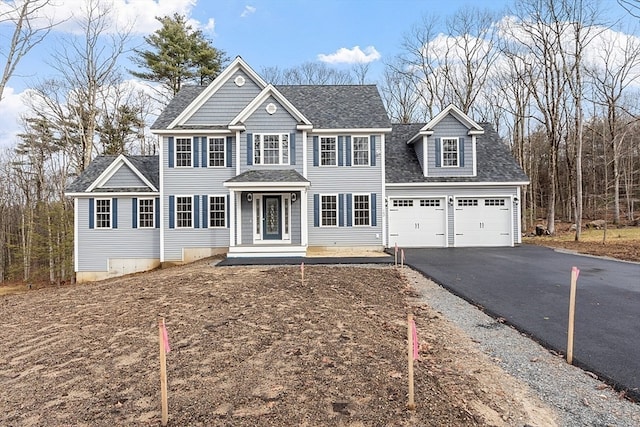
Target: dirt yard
<point x="249" y="347"/>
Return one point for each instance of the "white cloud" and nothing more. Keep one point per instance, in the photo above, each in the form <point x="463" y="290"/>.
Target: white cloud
<point x="11" y="109"/>
<point x="248" y="10"/>
<point x="351" y="56"/>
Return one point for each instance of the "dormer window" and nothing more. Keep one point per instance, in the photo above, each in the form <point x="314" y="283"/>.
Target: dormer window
<point x="450" y="152"/>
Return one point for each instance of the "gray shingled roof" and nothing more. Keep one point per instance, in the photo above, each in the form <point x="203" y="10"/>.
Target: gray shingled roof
<point x="146" y="165"/>
<point x="495" y="162"/>
<point x="327" y="107"/>
<point x="183" y="98"/>
<point x="270" y="175"/>
<point x="339" y="106"/>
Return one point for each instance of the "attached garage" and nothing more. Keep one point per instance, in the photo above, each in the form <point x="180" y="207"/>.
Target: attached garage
<point x="417" y="222"/>
<point x="480" y="221"/>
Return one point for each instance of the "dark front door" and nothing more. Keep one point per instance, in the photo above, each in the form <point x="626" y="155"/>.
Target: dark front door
<point x="272" y="214"/>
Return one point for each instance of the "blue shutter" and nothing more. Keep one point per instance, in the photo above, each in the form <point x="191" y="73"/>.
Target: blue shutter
<point x="134" y="212"/>
<point x="372" y="155"/>
<point x="340" y="150"/>
<point x="114" y="213"/>
<point x="461" y="142"/>
<point x="171" y="158"/>
<point x="196" y="152"/>
<point x="228" y="154"/>
<point x="316" y="155"/>
<point x="205" y="204"/>
<point x="172" y="213"/>
<point x="292" y="148"/>
<point x="437" y="152"/>
<point x="92" y="212"/>
<point x="196" y="211"/>
<point x="349" y="210"/>
<point x="347" y="142"/>
<point x="157" y="212"/>
<point x="228" y="209"/>
<point x="249" y="149"/>
<point x="340" y="210"/>
<point x="374" y="210"/>
<point x="204" y="148"/>
<point x="316" y="209"/>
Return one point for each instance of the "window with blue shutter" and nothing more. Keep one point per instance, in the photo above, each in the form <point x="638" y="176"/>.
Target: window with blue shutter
<point x="340" y="210"/>
<point x="228" y="209"/>
<point x="114" y="213"/>
<point x="374" y="210"/>
<point x="316" y="154"/>
<point x="92" y="203"/>
<point x="172" y="213"/>
<point x="461" y="152"/>
<point x="349" y="209"/>
<point x="134" y="212"/>
<point x="196" y="152"/>
<point x="157" y="212"/>
<point x="204" y="151"/>
<point x="249" y="149"/>
<point x="229" y="152"/>
<point x="316" y="210"/>
<point x="292" y="148"/>
<point x="171" y="157"/>
<point x="340" y="150"/>
<point x="372" y="156"/>
<point x="196" y="211"/>
<point x="347" y="143"/>
<point x="205" y="203"/>
<point x="437" y="151"/>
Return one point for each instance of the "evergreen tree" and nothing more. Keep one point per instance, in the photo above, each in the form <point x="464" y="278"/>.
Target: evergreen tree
<point x="178" y="54"/>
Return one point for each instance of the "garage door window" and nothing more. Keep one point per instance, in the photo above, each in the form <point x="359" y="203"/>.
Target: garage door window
<point x="494" y="202"/>
<point x="467" y="202"/>
<point x="430" y="203"/>
<point x="397" y="203"/>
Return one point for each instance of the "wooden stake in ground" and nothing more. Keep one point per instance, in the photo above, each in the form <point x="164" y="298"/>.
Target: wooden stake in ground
<point x="302" y="272"/>
<point x="163" y="339"/>
<point x="402" y="258"/>
<point x="575" y="272"/>
<point x="412" y="354"/>
<point x="395" y="255"/>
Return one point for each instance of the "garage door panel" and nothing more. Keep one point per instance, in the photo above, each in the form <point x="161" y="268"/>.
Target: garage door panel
<point x="482" y="222"/>
<point x="417" y="223"/>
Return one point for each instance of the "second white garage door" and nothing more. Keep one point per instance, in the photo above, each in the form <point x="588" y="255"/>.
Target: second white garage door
<point x="417" y="222"/>
<point x="482" y="222"/>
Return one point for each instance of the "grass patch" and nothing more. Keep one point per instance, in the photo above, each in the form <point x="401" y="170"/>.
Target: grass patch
<point x="627" y="234"/>
<point x="12" y="289"/>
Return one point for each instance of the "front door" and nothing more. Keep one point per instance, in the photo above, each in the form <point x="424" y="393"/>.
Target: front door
<point x="272" y="213"/>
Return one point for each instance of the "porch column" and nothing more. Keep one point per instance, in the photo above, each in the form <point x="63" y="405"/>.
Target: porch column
<point x="304" y="239"/>
<point x="232" y="218"/>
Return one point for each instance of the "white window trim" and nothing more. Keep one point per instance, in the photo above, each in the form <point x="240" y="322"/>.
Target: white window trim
<point x="286" y="221"/>
<point x="353" y="152"/>
<point x="175" y="212"/>
<point x="280" y="150"/>
<point x="335" y="137"/>
<point x="353" y="209"/>
<point x="175" y="153"/>
<point x="224" y="152"/>
<point x="224" y="197"/>
<point x="153" y="212"/>
<point x="95" y="214"/>
<point x="337" y="209"/>
<point x="457" y="165"/>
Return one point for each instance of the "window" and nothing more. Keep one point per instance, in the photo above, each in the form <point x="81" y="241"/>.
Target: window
<point x="449" y="152"/>
<point x="146" y="213"/>
<point x="184" y="212"/>
<point x="271" y="149"/>
<point x="328" y="151"/>
<point x="467" y="202"/>
<point x="103" y="213"/>
<point x="402" y="203"/>
<point x="494" y="202"/>
<point x="430" y="202"/>
<point x="183" y="152"/>
<point x="361" y="209"/>
<point x="360" y="151"/>
<point x="216" y="152"/>
<point x="328" y="211"/>
<point x="217" y="211"/>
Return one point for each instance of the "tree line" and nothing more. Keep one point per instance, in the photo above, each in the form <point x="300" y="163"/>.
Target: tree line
<point x="556" y="82"/>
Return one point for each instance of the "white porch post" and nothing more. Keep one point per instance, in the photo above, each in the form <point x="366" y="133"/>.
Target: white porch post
<point x="232" y="218"/>
<point x="304" y="239"/>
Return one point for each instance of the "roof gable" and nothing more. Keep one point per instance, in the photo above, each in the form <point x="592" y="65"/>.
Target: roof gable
<point x="118" y="174"/>
<point x="474" y="128"/>
<point x="267" y="92"/>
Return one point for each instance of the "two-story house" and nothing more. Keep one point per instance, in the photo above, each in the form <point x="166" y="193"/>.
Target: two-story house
<point x="251" y="169"/>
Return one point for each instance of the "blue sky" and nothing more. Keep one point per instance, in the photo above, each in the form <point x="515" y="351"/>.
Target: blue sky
<point x="266" y="33"/>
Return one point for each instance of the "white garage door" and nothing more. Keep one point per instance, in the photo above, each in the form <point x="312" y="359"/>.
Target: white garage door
<point x="417" y="222"/>
<point x="482" y="222"/>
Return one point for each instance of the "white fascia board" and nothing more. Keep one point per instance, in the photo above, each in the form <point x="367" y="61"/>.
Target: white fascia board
<point x="266" y="185"/>
<point x="113" y="168"/>
<point x="352" y="130"/>
<point x="190" y="131"/>
<point x="304" y="127"/>
<point x="237" y="64"/>
<point x="268" y="91"/>
<point x="240" y="128"/>
<point x="113" y="194"/>
<point x="457" y="184"/>
<point x="452" y="109"/>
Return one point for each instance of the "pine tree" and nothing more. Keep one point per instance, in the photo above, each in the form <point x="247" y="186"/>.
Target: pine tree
<point x="178" y="54"/>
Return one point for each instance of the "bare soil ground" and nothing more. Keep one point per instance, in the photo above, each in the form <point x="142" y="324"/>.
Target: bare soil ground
<point x="251" y="346"/>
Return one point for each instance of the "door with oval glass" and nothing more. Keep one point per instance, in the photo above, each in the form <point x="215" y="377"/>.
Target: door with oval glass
<point x="272" y="214"/>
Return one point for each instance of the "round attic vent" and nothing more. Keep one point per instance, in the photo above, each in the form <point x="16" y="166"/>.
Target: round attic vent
<point x="271" y="108"/>
<point x="239" y="81"/>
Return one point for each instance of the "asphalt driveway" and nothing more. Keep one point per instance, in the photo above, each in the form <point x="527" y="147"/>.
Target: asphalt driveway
<point x="529" y="286"/>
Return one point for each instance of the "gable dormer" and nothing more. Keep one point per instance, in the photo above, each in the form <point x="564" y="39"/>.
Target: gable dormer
<point x="446" y="146"/>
